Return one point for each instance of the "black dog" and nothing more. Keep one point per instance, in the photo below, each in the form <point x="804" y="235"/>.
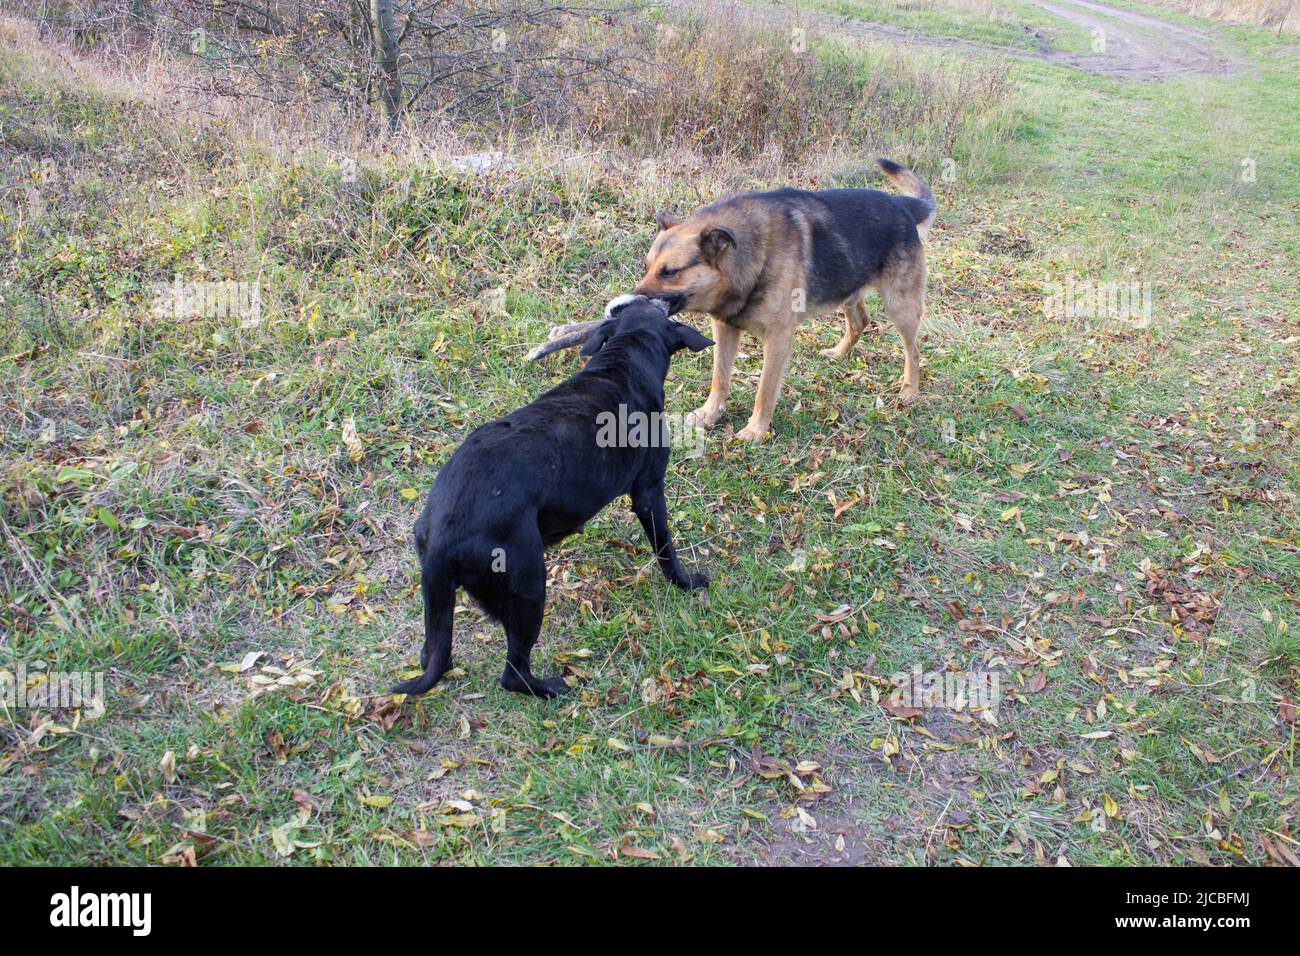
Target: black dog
<point x="520" y="484"/>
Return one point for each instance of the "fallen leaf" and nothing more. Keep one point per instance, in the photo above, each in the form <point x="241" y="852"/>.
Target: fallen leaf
<point x="638" y="853"/>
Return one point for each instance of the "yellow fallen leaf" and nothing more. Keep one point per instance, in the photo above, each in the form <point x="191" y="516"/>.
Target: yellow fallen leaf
<point x="638" y="853"/>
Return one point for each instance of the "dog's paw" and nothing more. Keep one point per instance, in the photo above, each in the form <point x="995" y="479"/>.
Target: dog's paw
<point x="751" y="433"/>
<point x="703" y="417"/>
<point x="835" y="353"/>
<point x="697" y="582"/>
<point x="548" y="687"/>
<point x="909" y="396"/>
<point x="414" y="687"/>
<point x="543" y="687"/>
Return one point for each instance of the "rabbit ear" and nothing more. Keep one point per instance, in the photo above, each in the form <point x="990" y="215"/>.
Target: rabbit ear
<point x="599" y="337"/>
<point x="564" y="337"/>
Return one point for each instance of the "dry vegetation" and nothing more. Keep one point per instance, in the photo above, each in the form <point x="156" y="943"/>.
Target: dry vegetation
<point x="603" y="76"/>
<point x="1282" y="16"/>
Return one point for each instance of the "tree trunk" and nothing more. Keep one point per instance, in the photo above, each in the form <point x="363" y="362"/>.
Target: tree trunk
<point x="390" y="81"/>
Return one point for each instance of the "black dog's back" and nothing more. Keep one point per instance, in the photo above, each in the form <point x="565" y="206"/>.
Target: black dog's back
<point x="540" y="464"/>
<point x="537" y="476"/>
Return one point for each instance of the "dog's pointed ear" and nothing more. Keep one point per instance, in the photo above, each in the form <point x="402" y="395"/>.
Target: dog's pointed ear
<point x="599" y="337"/>
<point x="714" y="242"/>
<point x="665" y="221"/>
<point x="683" y="336"/>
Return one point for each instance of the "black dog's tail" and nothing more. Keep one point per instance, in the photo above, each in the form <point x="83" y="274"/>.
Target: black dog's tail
<point x="438" y="586"/>
<point x="912" y="185"/>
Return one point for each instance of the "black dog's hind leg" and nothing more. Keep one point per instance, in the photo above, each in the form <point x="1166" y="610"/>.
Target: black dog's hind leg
<point x="523" y="624"/>
<point x="516" y="597"/>
<point x="649" y="507"/>
<point x="439" y="591"/>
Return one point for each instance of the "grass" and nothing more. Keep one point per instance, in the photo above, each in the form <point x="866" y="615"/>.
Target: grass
<point x="1112" y="509"/>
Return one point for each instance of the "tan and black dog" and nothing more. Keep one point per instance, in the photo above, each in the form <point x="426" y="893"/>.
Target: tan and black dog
<point x="763" y="262"/>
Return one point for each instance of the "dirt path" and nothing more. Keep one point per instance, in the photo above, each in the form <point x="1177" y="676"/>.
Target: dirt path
<point x="1136" y="45"/>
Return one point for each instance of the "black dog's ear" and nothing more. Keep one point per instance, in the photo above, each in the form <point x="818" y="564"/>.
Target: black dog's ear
<point x="665" y="221"/>
<point x="683" y="336"/>
<point x="599" y="337"/>
<point x="714" y="242"/>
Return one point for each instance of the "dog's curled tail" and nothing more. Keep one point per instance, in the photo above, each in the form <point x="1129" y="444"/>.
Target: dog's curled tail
<point x="914" y="186"/>
<point x="438" y="587"/>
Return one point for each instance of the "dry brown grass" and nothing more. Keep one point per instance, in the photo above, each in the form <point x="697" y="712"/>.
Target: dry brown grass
<point x="722" y="87"/>
<point x="713" y="83"/>
<point x="1281" y="16"/>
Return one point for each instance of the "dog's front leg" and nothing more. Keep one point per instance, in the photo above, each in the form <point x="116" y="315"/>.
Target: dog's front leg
<point x="726" y="340"/>
<point x="776" y="356"/>
<point x="649" y="507"/>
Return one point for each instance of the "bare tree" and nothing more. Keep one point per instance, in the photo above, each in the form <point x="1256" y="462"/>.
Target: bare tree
<point x="384" y="30"/>
<point x="476" y="59"/>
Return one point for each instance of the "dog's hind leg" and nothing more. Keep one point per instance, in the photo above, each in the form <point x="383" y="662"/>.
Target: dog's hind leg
<point x="855" y="321"/>
<point x="904" y="300"/>
<point x="439" y="590"/>
<point x="649" y="507"/>
<point x="519" y="610"/>
<point x="523" y="624"/>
